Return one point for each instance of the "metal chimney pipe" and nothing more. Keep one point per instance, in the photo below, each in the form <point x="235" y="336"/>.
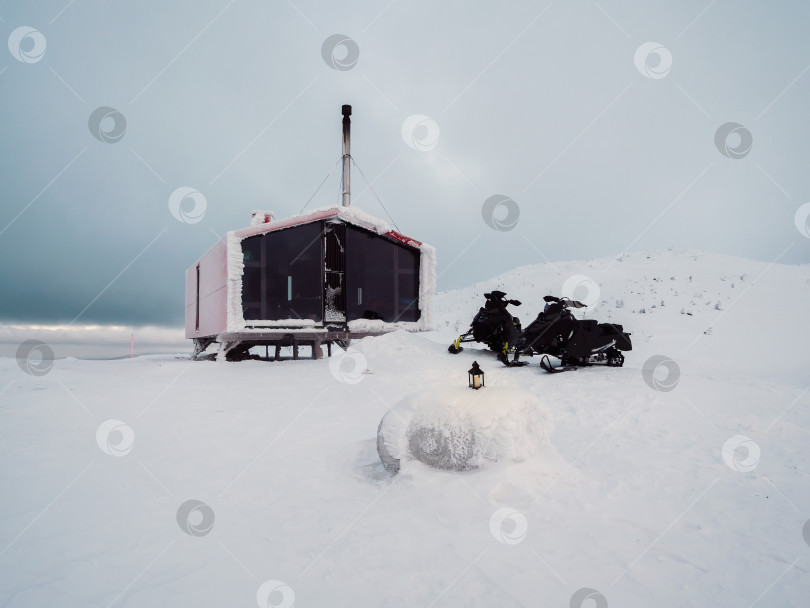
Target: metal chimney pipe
<point x="347" y="124"/>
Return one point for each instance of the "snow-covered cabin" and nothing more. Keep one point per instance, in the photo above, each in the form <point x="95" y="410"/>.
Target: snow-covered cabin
<point x="326" y="276"/>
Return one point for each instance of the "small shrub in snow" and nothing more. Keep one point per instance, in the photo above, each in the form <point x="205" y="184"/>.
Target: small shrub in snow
<point x="619" y="303"/>
<point x="458" y="429"/>
<point x="718" y="306"/>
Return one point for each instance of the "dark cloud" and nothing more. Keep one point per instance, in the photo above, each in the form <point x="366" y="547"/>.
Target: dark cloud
<point x="236" y="101"/>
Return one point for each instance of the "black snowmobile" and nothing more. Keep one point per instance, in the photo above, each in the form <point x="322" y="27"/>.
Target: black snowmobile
<point x="555" y="332"/>
<point x="494" y="326"/>
<point x="576" y="342"/>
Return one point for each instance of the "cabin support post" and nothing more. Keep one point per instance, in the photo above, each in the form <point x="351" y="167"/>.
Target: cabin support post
<point x="200" y="344"/>
<point x="225" y="346"/>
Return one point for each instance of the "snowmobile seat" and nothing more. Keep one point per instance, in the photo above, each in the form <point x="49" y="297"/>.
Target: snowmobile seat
<point x="617" y="331"/>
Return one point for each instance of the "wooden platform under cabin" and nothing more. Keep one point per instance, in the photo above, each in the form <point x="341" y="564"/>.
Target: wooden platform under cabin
<point x="234" y="346"/>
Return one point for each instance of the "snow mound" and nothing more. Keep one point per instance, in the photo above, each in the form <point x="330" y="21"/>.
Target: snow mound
<point x="456" y="428"/>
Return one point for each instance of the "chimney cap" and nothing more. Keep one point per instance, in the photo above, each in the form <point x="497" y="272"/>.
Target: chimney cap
<point x="347" y="110"/>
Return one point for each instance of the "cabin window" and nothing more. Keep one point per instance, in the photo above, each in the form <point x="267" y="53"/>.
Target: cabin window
<point x="282" y="275"/>
<point x="385" y="276"/>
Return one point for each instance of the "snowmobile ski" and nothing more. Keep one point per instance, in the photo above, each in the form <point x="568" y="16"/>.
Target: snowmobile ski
<point x="545" y="363"/>
<point x="513" y="363"/>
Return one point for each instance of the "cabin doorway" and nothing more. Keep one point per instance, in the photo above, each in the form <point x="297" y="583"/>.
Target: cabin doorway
<point x="334" y="285"/>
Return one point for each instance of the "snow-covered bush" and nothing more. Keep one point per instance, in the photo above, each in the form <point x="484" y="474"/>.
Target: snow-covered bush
<point x="456" y="428"/>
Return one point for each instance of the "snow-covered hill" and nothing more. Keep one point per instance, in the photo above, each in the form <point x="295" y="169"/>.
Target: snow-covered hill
<point x="694" y="495"/>
<point x="703" y="308"/>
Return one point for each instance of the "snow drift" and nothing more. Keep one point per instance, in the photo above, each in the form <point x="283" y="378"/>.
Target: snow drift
<point x="458" y="429"/>
<point x="631" y="497"/>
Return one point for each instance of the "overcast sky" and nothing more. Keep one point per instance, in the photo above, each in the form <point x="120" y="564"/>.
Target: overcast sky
<point x="605" y="143"/>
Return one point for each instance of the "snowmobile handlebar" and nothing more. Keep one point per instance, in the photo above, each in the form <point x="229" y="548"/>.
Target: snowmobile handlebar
<point x="565" y="302"/>
<point x="498" y="296"/>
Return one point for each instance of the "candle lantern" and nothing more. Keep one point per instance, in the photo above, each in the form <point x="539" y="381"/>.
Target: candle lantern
<point x="475" y="376"/>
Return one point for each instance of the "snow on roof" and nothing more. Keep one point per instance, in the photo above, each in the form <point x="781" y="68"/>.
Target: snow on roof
<point x="350" y="215"/>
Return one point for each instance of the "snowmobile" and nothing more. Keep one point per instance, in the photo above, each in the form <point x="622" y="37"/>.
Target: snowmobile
<point x="494" y="326"/>
<point x="555" y="332"/>
<point x="575" y="342"/>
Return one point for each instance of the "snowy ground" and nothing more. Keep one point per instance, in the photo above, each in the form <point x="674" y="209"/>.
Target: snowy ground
<point x="632" y="497"/>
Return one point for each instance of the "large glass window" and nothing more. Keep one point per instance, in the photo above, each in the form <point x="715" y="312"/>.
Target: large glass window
<point x="283" y="274"/>
<point x="382" y="278"/>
